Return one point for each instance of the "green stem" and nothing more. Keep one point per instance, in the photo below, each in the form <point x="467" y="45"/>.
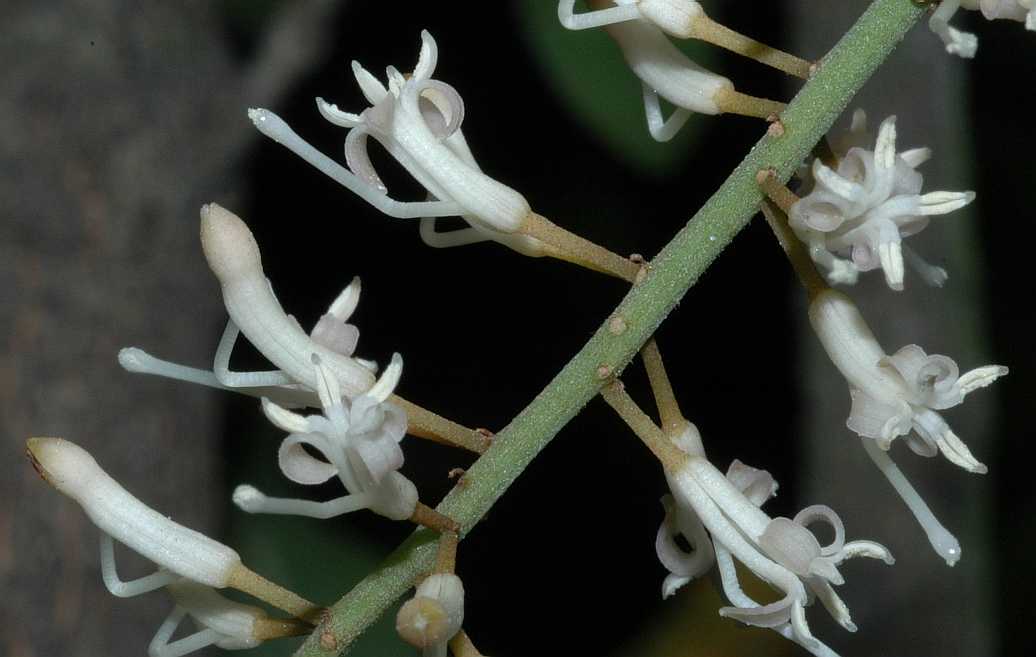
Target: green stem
<point x="809" y="116"/>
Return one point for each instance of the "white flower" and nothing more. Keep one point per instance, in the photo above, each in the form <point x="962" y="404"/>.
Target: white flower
<point x="782" y="552"/>
<point x="222" y="622"/>
<point x="639" y="28"/>
<point x="417" y="120"/>
<point x="226" y="624"/>
<point x="180" y="551"/>
<point x="899" y="395"/>
<point x="434" y="615"/>
<point x="181" y="554"/>
<point x="964" y="44"/>
<point x="895" y="395"/>
<point x="234" y="258"/>
<point x="866" y="206"/>
<point x="359" y="440"/>
<point x="675" y="17"/>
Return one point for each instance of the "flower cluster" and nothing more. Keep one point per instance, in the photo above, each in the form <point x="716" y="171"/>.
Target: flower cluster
<point x="357" y="435"/>
<point x="861" y="203"/>
<point x="868" y="205"/>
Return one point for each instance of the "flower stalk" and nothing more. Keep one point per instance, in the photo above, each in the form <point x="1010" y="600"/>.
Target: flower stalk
<point x="783" y="198"/>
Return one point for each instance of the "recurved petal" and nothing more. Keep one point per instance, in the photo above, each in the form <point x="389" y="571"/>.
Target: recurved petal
<point x="826" y="514"/>
<point x="832" y="602"/>
<point x="336" y="335"/>
<point x="771" y="615"/>
<point x="358" y="160"/>
<point x="821" y="210"/>
<point x="372" y="89"/>
<point x="791" y="545"/>
<point x="337" y="117"/>
<point x="428" y="57"/>
<point x="824" y="568"/>
<point x="868" y="549"/>
<point x="847" y="187"/>
<point x="934" y="430"/>
<point x="980" y="377"/>
<point x="871" y="418"/>
<point x="684" y="566"/>
<point x="285" y="419"/>
<point x="441" y="107"/>
<point x="669" y="553"/>
<point x="672" y="584"/>
<point x="757" y="485"/>
<point x="931" y="378"/>
<point x="907" y="361"/>
<point x="298" y="466"/>
<point x="936" y="382"/>
<point x="345" y="303"/>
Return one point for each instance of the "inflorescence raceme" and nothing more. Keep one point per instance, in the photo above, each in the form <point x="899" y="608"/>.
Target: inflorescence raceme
<point x="862" y="197"/>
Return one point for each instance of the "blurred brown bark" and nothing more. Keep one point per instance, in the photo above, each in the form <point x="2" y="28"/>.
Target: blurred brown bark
<point x="120" y="119"/>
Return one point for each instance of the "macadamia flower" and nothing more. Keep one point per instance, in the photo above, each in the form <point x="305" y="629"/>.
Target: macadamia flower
<point x="640" y="28"/>
<point x="359" y="440"/>
<point x="417" y="120"/>
<point x="254" y="310"/>
<point x="896" y="396"/>
<point x="181" y="551"/>
<point x="782" y="552"/>
<point x="856" y="215"/>
<point x="190" y="565"/>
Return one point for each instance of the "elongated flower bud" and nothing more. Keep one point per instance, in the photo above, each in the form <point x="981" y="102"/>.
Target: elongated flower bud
<point x="234" y="258"/>
<point x="435" y="613"/>
<point x="116" y="512"/>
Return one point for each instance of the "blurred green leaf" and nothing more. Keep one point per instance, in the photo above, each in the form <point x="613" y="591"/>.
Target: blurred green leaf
<point x="586" y="71"/>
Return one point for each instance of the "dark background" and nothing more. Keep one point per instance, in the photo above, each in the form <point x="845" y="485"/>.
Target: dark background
<point x="124" y="118"/>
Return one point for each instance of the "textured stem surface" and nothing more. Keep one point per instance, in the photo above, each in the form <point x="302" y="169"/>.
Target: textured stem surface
<point x="806" y="119"/>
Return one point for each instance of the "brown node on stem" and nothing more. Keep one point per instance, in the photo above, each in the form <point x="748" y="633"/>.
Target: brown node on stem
<point x="617" y="325"/>
<point x="328" y="641"/>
